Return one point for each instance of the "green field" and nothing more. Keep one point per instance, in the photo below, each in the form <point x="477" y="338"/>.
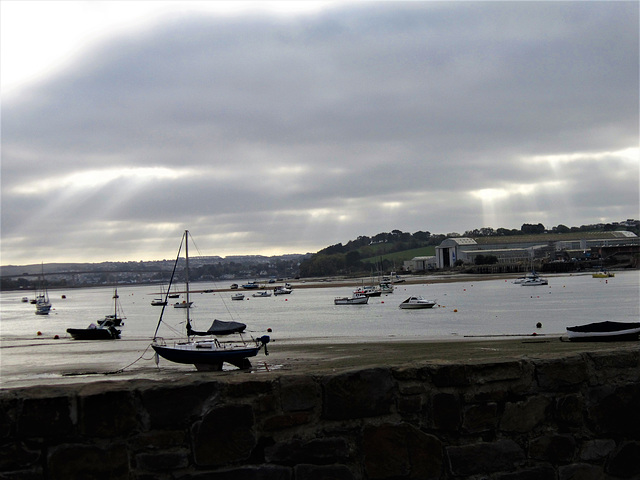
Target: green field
<point x="399" y="257"/>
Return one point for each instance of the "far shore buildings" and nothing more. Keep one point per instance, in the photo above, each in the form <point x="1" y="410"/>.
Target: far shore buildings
<point x="522" y="250"/>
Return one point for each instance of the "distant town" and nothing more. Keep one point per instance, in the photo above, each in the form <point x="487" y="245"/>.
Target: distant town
<point x="485" y="250"/>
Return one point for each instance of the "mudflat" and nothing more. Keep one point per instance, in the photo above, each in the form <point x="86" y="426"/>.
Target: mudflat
<point x="325" y="357"/>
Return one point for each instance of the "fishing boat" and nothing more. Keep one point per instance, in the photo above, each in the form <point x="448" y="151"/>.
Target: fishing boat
<point x="606" y="331"/>
<point x="183" y="304"/>
<point x="42" y="302"/>
<point x="208" y="354"/>
<point x="415" y="302"/>
<point x="355" y="299"/>
<point x="104" y="329"/>
<point x="369" y="291"/>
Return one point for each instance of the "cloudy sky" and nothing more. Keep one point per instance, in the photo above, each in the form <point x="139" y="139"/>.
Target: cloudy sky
<point x="268" y="129"/>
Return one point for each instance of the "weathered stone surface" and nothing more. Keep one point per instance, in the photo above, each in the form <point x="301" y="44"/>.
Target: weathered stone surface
<point x="614" y="410"/>
<point x="250" y="472"/>
<point x="8" y="414"/>
<point x="109" y="414"/>
<point x="45" y="417"/>
<point x="410" y="404"/>
<point x="624" y="365"/>
<point x="625" y="460"/>
<point x="401" y="451"/>
<point x="169" y="408"/>
<point x="482" y="458"/>
<point x="446" y="411"/>
<point x="480" y="417"/>
<point x="557" y="449"/>
<point x="449" y="375"/>
<point x="322" y="472"/>
<point x="17" y="455"/>
<point x="581" y="471"/>
<point x="88" y="462"/>
<point x="248" y="387"/>
<point x="224" y="436"/>
<point x="561" y="374"/>
<point x="299" y="393"/>
<point x="364" y="393"/>
<point x="545" y="472"/>
<point x="569" y="410"/>
<point x="289" y="420"/>
<point x="483" y="373"/>
<point x="318" y="451"/>
<point x="525" y="415"/>
<point x="162" y="461"/>
<point x="596" y="450"/>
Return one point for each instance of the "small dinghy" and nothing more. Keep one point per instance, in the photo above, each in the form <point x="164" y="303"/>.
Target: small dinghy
<point x="604" y="332"/>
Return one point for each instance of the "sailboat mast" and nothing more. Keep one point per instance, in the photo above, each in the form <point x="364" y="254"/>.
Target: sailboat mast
<point x="186" y="254"/>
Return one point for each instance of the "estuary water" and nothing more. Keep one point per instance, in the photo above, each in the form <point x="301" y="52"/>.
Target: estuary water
<point x="31" y="354"/>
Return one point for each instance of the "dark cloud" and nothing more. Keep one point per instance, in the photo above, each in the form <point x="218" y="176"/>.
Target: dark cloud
<point x="304" y="131"/>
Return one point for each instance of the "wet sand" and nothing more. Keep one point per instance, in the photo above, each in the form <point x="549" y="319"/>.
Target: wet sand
<point x="328" y="357"/>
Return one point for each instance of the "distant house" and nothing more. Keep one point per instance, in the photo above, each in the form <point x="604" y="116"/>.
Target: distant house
<point x="420" y="264"/>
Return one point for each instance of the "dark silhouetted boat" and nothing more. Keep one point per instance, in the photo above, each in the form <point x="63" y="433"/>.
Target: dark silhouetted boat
<point x="604" y="332"/>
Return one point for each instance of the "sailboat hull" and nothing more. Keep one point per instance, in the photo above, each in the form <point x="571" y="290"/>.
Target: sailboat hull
<point x="206" y="358"/>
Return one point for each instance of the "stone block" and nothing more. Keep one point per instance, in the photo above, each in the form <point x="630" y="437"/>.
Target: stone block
<point x="569" y="410"/>
<point x="485" y="458"/>
<point x="318" y="451"/>
<point x="596" y="450"/>
<point x="556" y="449"/>
<point x="249" y="472"/>
<point x="446" y="411"/>
<point x="162" y="461"/>
<point x="581" y="471"/>
<point x="299" y="393"/>
<point x="453" y="375"/>
<point x="563" y="374"/>
<point x="109" y="414"/>
<point x="322" y="472"/>
<point x="401" y="451"/>
<point x="410" y="404"/>
<point x="499" y="371"/>
<point x="225" y="435"/>
<point x="543" y="472"/>
<point x="287" y="420"/>
<point x="88" y="461"/>
<point x="17" y="455"/>
<point x="364" y="393"/>
<point x="614" y="410"/>
<point x="46" y="417"/>
<point x="525" y="415"/>
<point x="169" y="408"/>
<point x="480" y="417"/>
<point x="624" y="462"/>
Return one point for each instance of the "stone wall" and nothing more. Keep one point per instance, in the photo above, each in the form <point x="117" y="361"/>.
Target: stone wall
<point x="572" y="418"/>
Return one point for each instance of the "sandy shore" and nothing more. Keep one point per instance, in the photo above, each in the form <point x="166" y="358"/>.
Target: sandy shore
<point x="328" y="357"/>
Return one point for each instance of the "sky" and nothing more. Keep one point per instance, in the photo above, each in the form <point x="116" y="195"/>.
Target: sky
<point x="285" y="127"/>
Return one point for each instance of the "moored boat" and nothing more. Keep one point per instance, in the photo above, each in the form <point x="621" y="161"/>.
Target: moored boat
<point x="237" y="296"/>
<point x="603" y="274"/>
<point x="211" y="353"/>
<point x="606" y="331"/>
<point x="355" y="299"/>
<point x="95" y="332"/>
<point x="263" y="293"/>
<point x="415" y="302"/>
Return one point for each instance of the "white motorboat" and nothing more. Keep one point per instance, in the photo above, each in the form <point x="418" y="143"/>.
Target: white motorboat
<point x="283" y="290"/>
<point x="532" y="282"/>
<point x="183" y="304"/>
<point x="261" y="294"/>
<point x="355" y="299"/>
<point x="237" y="296"/>
<point x="416" y="301"/>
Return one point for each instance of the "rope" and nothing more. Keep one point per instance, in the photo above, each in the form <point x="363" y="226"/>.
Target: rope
<point x="132" y="363"/>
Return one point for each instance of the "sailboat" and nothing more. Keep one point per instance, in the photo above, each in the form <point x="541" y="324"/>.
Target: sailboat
<point x="43" y="304"/>
<point x="105" y="328"/>
<point x="207" y="354"/>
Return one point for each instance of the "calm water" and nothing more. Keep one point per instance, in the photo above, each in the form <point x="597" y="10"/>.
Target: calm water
<point x="467" y="309"/>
